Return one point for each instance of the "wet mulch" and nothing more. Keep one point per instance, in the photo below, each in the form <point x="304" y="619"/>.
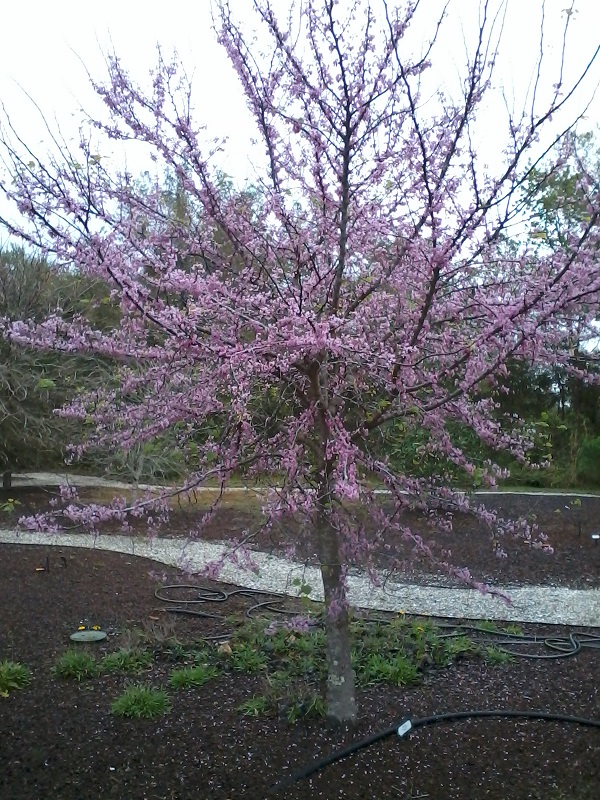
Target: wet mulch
<point x="59" y="740"/>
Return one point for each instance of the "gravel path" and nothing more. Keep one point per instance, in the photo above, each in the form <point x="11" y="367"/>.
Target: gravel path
<point x="539" y="604"/>
<point x="38" y="479"/>
<point x="557" y="605"/>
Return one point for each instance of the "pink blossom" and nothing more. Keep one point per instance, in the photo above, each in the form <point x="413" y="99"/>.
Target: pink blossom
<point x="361" y="295"/>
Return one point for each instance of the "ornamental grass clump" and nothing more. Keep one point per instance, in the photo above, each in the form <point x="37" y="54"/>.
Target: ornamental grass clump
<point x="192" y="676"/>
<point x="141" y="701"/>
<point x="126" y="660"/>
<point x="76" y="665"/>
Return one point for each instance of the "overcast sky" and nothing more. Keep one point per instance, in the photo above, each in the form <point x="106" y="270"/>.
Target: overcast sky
<point x="43" y="42"/>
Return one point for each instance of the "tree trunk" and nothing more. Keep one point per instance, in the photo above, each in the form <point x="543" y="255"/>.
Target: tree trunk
<point x="341" y="700"/>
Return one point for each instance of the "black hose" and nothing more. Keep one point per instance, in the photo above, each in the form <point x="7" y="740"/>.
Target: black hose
<point x="560" y="647"/>
<point x="206" y="595"/>
<point x="403" y="727"/>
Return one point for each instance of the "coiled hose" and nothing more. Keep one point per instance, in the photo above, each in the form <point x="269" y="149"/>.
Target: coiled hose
<point x="558" y="646"/>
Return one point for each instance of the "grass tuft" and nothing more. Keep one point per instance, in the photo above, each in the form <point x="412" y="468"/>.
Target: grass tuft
<point x="125" y="660"/>
<point x="495" y="656"/>
<point x="76" y="665"/>
<point x="255" y="706"/>
<point x="192" y="676"/>
<point x="141" y="701"/>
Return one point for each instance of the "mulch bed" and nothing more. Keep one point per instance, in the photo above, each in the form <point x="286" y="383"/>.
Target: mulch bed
<point x="59" y="740"/>
<point x="568" y="525"/>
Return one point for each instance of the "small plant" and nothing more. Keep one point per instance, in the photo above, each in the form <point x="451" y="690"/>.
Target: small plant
<point x="141" y="701"/>
<point x="160" y="633"/>
<point x="399" y="622"/>
<point x="304" y="589"/>
<point x="130" y="638"/>
<point x="125" y="660"/>
<point x="255" y="706"/>
<point x="487" y="625"/>
<point x="192" y="676"/>
<point x="425" y="643"/>
<point x="397" y="669"/>
<point x="244" y="658"/>
<point x="421" y="628"/>
<point x="495" y="656"/>
<point x="514" y="630"/>
<point x="200" y="655"/>
<point x="279" y="683"/>
<point x="307" y="643"/>
<point x="460" y="646"/>
<point x="9" y="505"/>
<point x="277" y="642"/>
<point x="12" y="676"/>
<point x="305" y="704"/>
<point x="77" y="665"/>
<point x="309" y="666"/>
<point x="177" y="652"/>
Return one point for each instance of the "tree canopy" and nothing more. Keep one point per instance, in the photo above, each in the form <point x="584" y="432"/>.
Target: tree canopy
<point x="367" y="285"/>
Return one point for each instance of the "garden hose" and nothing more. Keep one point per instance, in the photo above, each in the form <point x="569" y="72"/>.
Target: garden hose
<point x="402" y="728"/>
<point x="505" y="641"/>
<point x="205" y="595"/>
<point x="560" y="647"/>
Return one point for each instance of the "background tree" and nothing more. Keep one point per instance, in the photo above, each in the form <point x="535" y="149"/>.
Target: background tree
<point x="560" y="198"/>
<point x="366" y="289"/>
<point x="34" y="383"/>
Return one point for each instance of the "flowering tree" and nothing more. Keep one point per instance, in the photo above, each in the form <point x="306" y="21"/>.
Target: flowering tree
<point x="362" y="292"/>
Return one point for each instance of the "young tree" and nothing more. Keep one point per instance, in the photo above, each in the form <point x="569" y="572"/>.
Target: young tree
<point x="365" y="289"/>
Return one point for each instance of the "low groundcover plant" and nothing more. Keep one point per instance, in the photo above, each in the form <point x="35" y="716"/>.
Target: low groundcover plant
<point x="12" y="676"/>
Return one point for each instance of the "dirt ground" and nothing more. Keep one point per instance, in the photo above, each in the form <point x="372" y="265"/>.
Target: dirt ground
<point x="59" y="740"/>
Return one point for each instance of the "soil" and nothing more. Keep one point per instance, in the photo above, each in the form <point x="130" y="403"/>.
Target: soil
<point x="59" y="740"/>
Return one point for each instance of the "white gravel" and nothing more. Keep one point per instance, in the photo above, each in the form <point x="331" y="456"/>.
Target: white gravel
<point x="541" y="604"/>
